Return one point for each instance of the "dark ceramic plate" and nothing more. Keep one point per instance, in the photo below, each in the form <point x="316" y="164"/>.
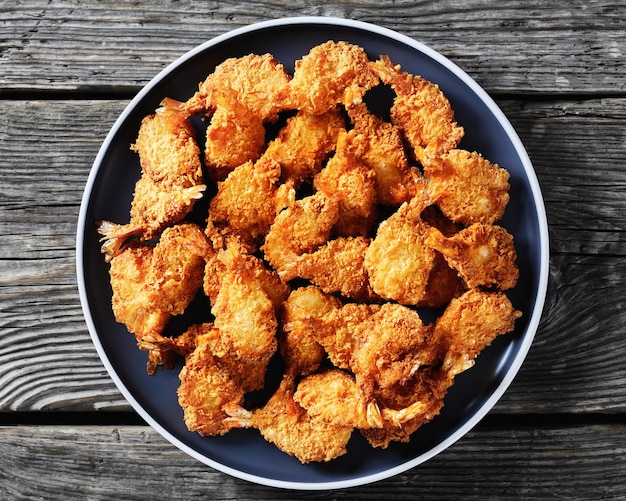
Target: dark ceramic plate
<point x="243" y="453"/>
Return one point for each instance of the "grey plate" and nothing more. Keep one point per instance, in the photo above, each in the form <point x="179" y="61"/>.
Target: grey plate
<point x="243" y="453"/>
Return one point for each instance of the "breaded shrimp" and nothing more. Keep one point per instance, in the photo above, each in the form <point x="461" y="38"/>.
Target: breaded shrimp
<point x="150" y="284"/>
<point x="390" y="349"/>
<point x="338" y="267"/>
<point x="287" y="425"/>
<point x="303" y="144"/>
<point x="343" y="330"/>
<point x="235" y="258"/>
<point x="303" y="321"/>
<point x="234" y="136"/>
<point x="468" y="188"/>
<point x="331" y="73"/>
<point x="170" y="183"/>
<point x="253" y="80"/>
<point x="421" y="110"/>
<point x="206" y="386"/>
<point x="469" y="324"/>
<point x="443" y="284"/>
<point x="300" y="228"/>
<point x="245" y="314"/>
<point x="244" y="202"/>
<point x="398" y="260"/>
<point x="379" y="145"/>
<point x="241" y="95"/>
<point x="484" y="255"/>
<point x="426" y="390"/>
<point x="353" y="185"/>
<point x="334" y="397"/>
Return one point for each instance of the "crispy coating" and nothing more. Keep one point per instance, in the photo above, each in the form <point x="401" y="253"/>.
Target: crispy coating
<point x="390" y="349"/>
<point x="234" y="136"/>
<point x="235" y="259"/>
<point x="303" y="144"/>
<point x="245" y="314"/>
<point x="379" y="145"/>
<point x="443" y="284"/>
<point x="303" y="321"/>
<point x="244" y="203"/>
<point x="207" y="384"/>
<point x="167" y="149"/>
<point x="300" y="228"/>
<point x="428" y="388"/>
<point x="469" y="324"/>
<point x="283" y="422"/>
<point x="467" y="187"/>
<point x="484" y="255"/>
<point x="339" y="267"/>
<point x="421" y="110"/>
<point x="353" y="185"/>
<point x="150" y="284"/>
<point x="334" y="397"/>
<point x="398" y="260"/>
<point x="342" y="330"/>
<point x="340" y="212"/>
<point x="331" y="73"/>
<point x="253" y="80"/>
<point x="170" y="183"/>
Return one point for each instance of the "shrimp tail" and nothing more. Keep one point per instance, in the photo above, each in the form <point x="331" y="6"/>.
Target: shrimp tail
<point x="114" y="236"/>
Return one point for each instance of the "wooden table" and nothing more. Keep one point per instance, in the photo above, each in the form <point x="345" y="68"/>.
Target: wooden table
<point x="557" y="69"/>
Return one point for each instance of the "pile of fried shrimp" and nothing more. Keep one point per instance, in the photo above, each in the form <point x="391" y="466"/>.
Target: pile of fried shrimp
<point x="324" y="240"/>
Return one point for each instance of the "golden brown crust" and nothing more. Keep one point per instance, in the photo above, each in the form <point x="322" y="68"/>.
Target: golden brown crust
<point x="322" y="243"/>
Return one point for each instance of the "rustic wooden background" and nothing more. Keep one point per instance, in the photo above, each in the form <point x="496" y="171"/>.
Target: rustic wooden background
<point x="557" y="69"/>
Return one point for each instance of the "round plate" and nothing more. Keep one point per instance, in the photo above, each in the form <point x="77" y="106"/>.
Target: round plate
<point x="244" y="453"/>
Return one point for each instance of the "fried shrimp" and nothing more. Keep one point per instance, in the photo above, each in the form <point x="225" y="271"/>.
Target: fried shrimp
<point x="398" y="260"/>
<point x="467" y="187"/>
<point x="341" y="330"/>
<point x="244" y="204"/>
<point x="421" y="110"/>
<point x="253" y="80"/>
<point x="235" y="258"/>
<point x="151" y="284"/>
<point x="302" y="227"/>
<point x="240" y="97"/>
<point x="353" y="184"/>
<point x="483" y="255"/>
<point x="338" y="266"/>
<point x="234" y="136"/>
<point x="378" y="144"/>
<point x="334" y="397"/>
<point x="303" y="144"/>
<point x="207" y="385"/>
<point x="303" y="324"/>
<point x="390" y="349"/>
<point x="170" y="183"/>
<point x="294" y="431"/>
<point x="469" y="324"/>
<point x="331" y="73"/>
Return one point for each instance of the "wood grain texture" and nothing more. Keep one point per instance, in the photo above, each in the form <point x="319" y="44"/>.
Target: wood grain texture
<point x="59" y="463"/>
<point x="543" y="47"/>
<point x="45" y="345"/>
<point x="67" y="70"/>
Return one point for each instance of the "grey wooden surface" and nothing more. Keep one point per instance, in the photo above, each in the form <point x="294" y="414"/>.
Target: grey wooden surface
<point x="557" y="69"/>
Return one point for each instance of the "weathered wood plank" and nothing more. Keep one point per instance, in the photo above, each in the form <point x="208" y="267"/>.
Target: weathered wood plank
<point x="55" y="462"/>
<point x="543" y="47"/>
